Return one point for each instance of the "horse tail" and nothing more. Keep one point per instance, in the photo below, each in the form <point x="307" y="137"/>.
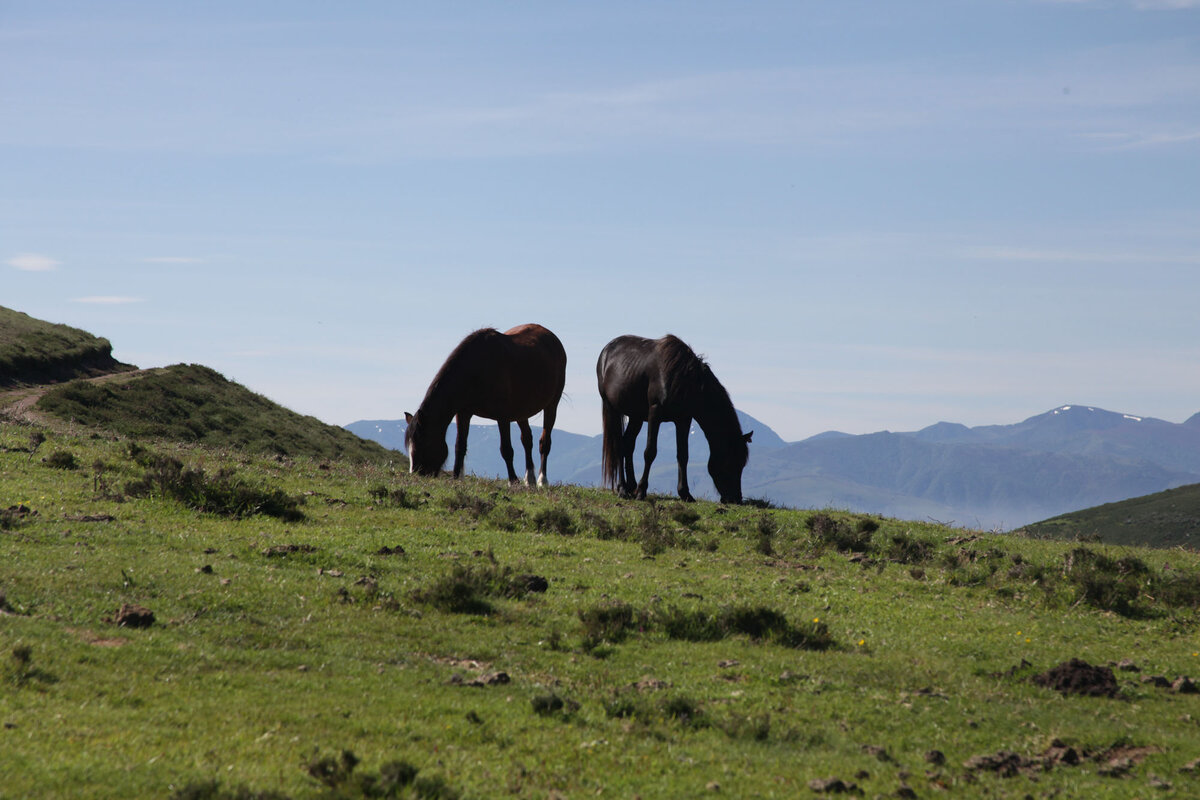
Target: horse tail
<point x="611" y="464"/>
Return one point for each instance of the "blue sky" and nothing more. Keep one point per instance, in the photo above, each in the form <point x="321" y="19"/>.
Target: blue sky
<point x="866" y="215"/>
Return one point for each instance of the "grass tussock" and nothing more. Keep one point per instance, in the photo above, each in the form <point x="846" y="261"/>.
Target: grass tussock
<point x="840" y="534"/>
<point x="471" y="588"/>
<point x="609" y="622"/>
<point x="394" y="498"/>
<point x="759" y="623"/>
<point x="223" y="493"/>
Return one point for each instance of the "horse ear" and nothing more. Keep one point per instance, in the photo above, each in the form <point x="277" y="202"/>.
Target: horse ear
<point x="748" y="437"/>
<point x="408" y="418"/>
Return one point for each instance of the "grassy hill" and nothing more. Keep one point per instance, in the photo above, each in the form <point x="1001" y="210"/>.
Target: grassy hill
<point x="1164" y="519"/>
<point x="171" y="627"/>
<point x="192" y="403"/>
<point x="36" y="352"/>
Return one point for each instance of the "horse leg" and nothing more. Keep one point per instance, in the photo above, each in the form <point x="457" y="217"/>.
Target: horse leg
<point x="460" y="443"/>
<point x="682" y="428"/>
<point x="527" y="443"/>
<point x="628" y="483"/>
<point x="506" y="449"/>
<point x="651" y="452"/>
<point x="548" y="417"/>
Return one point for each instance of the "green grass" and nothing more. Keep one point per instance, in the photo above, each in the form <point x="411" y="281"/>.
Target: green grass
<point x="33" y="351"/>
<point x="192" y="403"/>
<point x="395" y="642"/>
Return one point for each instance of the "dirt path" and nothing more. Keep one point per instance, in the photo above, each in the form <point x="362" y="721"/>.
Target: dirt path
<point x="18" y="405"/>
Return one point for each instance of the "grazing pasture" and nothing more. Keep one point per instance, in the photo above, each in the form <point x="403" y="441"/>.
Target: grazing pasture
<point x="189" y="622"/>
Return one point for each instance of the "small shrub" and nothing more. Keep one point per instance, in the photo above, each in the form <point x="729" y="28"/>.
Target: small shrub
<point x="551" y="705"/>
<point x="1178" y="590"/>
<point x="475" y="506"/>
<point x="1106" y="583"/>
<point x="468" y="589"/>
<point x="758" y="622"/>
<point x="603" y="527"/>
<point x="506" y="518"/>
<point x="837" y="533"/>
<point x="395" y="775"/>
<point x="337" y="774"/>
<point x="397" y="498"/>
<point x="62" y="459"/>
<point x="687" y="517"/>
<point x="766" y="527"/>
<point x="677" y="708"/>
<point x="554" y="520"/>
<point x="20" y="671"/>
<point x="434" y="787"/>
<point x="753" y="728"/>
<point x="971" y="574"/>
<point x="689" y="625"/>
<point x="656" y="537"/>
<point x="331" y="771"/>
<point x="903" y="548"/>
<point x="12" y="517"/>
<point x="758" y="502"/>
<point x="213" y="790"/>
<point x="224" y="493"/>
<point x="683" y="710"/>
<point x="607" y="622"/>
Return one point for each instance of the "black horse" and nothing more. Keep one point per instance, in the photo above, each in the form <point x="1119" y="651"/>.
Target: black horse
<point x="662" y="380"/>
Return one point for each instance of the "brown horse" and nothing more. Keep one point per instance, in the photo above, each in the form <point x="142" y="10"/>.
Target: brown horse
<point x="508" y="377"/>
<point x="662" y="380"/>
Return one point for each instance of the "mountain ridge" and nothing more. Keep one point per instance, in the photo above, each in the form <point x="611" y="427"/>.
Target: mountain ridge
<point x="999" y="477"/>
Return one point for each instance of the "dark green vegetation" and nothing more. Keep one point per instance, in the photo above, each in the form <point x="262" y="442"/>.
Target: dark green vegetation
<point x="192" y="403"/>
<point x="33" y="351"/>
<point x="1164" y="519"/>
<point x="440" y="639"/>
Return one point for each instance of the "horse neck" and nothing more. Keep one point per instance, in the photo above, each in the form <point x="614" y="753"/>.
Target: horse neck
<point x="443" y="399"/>
<point x="714" y="412"/>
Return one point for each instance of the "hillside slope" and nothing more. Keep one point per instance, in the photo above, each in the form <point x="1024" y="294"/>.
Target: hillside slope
<point x="35" y="352"/>
<point x="192" y="403"/>
<point x="1163" y="519"/>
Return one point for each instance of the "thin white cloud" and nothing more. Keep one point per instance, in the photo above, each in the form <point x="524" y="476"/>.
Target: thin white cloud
<point x="108" y="300"/>
<point x="1166" y="5"/>
<point x="1140" y="5"/>
<point x="33" y="262"/>
<point x="1064" y="256"/>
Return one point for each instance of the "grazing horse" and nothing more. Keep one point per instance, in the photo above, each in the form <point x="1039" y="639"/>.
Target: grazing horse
<point x="508" y="377"/>
<point x="662" y="380"/>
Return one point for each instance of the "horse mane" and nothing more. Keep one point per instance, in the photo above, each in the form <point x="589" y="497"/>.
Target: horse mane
<point x="683" y="371"/>
<point x="446" y="377"/>
<point x="689" y="377"/>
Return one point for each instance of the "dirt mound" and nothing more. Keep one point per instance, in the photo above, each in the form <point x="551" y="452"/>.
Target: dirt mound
<point x="130" y="615"/>
<point x="1079" y="677"/>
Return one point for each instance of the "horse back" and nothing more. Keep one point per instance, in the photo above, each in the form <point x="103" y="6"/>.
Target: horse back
<point x="634" y="373"/>
<point x="518" y="373"/>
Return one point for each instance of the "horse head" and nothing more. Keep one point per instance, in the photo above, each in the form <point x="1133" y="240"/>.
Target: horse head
<point x="426" y="446"/>
<point x="727" y="458"/>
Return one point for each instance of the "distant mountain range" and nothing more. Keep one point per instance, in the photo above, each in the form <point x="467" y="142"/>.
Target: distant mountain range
<point x="991" y="477"/>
